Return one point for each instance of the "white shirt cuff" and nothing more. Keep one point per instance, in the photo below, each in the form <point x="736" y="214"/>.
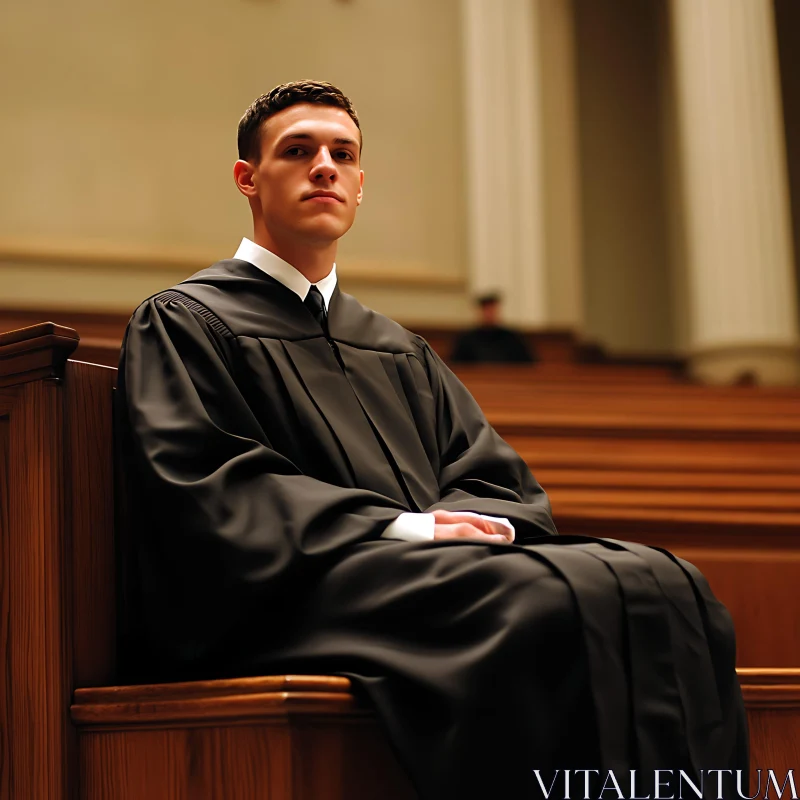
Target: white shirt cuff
<point x="411" y="527"/>
<point x="419" y="527"/>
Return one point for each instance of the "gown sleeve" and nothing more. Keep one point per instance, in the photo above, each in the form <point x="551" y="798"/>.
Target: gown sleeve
<point x="233" y="529"/>
<point x="479" y="472"/>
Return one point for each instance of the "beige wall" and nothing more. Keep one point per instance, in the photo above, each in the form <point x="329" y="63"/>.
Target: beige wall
<point x="787" y="20"/>
<point x="627" y="287"/>
<point x="119" y="128"/>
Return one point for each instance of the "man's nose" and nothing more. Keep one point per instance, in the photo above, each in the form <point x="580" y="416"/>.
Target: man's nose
<point x="324" y="167"/>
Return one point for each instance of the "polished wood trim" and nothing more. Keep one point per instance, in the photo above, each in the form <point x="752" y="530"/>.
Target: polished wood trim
<point x="214" y="702"/>
<point x="247" y="699"/>
<point x="221" y="687"/>
<point x="36" y="352"/>
<point x="231" y="709"/>
<point x="770" y="688"/>
<point x="108" y="325"/>
<point x="25" y="336"/>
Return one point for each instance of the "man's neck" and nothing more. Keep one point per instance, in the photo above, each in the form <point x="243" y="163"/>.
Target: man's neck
<point x="313" y="263"/>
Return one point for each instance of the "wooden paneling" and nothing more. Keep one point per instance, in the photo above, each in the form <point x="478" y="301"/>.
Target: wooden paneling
<point x="195" y="764"/>
<point x="39" y="668"/>
<point x="6" y="402"/>
<point x="772" y="699"/>
<point x="90" y="516"/>
<point x="311" y="760"/>
<point x="271" y="738"/>
<point x="759" y="589"/>
<point x="39" y="747"/>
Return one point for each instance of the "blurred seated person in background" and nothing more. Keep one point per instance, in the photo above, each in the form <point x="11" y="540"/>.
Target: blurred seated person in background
<point x="491" y="342"/>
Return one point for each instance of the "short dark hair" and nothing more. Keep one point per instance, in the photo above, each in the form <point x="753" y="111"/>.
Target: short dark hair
<point x="488" y="299"/>
<point x="281" y="97"/>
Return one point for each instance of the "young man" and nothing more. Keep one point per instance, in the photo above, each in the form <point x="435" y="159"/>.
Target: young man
<point x="320" y="494"/>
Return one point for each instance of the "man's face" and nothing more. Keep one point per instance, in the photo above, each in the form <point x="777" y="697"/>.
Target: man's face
<point x="490" y="313"/>
<point x="309" y="181"/>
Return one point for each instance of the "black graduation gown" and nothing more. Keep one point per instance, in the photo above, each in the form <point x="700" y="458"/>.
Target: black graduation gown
<point x="268" y="462"/>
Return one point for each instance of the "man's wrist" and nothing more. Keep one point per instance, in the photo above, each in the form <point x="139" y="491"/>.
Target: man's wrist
<point x="411" y="527"/>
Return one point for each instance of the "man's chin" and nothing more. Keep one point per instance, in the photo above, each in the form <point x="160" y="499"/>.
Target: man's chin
<point x="321" y="234"/>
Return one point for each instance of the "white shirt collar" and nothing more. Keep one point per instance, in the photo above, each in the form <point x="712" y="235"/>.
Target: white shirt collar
<point x="284" y="272"/>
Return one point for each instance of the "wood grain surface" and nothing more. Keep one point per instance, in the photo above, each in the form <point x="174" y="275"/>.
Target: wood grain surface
<point x="89" y="475"/>
<point x="277" y="737"/>
<point x="772" y="698"/>
<point x="7" y="401"/>
<point x="38" y="672"/>
<point x="39" y="746"/>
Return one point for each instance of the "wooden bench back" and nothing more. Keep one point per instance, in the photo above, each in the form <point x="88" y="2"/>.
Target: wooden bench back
<point x="57" y="604"/>
<point x="67" y="731"/>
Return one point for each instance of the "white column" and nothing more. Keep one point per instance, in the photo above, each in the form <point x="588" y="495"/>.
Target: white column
<point x="504" y="156"/>
<point x="561" y="175"/>
<point x="743" y="314"/>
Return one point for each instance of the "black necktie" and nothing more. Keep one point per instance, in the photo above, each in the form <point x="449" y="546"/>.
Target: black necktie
<point x="316" y="305"/>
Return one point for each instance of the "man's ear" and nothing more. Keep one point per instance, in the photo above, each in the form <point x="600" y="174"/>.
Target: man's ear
<point x="360" y="194"/>
<point x="243" y="175"/>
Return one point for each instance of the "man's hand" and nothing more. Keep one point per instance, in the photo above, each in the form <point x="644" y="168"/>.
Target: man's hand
<point x="463" y="525"/>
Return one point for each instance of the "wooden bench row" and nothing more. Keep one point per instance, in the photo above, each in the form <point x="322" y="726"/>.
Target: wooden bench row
<point x="632" y="403"/>
<point x="711" y="474"/>
<point x="730" y="507"/>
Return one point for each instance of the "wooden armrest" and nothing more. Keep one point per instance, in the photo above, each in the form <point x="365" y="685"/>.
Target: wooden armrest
<point x="766" y="688"/>
<point x="215" y="702"/>
<point x="37" y="352"/>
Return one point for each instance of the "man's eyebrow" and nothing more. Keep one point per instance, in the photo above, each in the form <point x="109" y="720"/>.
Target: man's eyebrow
<point x="308" y="136"/>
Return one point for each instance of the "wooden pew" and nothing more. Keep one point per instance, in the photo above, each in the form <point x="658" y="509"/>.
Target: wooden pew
<point x="68" y="733"/>
<point x="730" y="507"/>
<point x="74" y="733"/>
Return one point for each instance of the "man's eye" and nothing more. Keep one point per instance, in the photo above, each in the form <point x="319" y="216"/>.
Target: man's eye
<point x="345" y="155"/>
<point x="295" y="151"/>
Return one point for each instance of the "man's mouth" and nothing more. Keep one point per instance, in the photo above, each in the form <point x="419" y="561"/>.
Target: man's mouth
<point x="324" y="197"/>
